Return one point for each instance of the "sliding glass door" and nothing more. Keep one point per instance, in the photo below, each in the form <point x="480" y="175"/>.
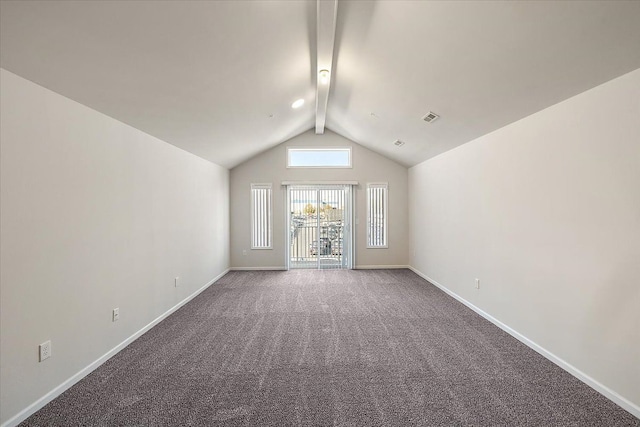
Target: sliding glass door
<point x="319" y="224"/>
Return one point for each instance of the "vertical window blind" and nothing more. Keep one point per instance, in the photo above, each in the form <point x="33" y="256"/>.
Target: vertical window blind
<point x="261" y="212"/>
<point x="377" y="215"/>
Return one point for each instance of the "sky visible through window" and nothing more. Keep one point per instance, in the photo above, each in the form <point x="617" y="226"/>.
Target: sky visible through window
<point x="339" y="157"/>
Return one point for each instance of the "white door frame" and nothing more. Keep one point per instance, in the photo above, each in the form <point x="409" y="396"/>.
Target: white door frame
<point x="348" y="249"/>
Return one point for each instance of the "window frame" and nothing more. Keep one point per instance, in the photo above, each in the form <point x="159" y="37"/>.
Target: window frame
<point x="385" y="209"/>
<point x="269" y="214"/>
<point x="347" y="149"/>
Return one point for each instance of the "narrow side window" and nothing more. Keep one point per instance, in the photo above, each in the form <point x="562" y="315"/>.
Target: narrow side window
<point x="377" y="215"/>
<point x="261" y="212"/>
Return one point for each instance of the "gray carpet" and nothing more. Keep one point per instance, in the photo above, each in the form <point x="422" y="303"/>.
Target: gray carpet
<point x="342" y="348"/>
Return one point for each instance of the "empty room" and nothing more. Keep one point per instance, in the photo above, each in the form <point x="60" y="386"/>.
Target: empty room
<point x="319" y="212"/>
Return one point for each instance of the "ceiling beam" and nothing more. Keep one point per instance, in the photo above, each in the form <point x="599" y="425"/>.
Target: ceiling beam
<point x="326" y="25"/>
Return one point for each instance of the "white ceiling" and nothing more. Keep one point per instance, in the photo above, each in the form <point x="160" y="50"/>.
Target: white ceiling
<point x="207" y="76"/>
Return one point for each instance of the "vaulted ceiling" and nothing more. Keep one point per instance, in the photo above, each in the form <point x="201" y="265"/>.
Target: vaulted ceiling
<point x="218" y="78"/>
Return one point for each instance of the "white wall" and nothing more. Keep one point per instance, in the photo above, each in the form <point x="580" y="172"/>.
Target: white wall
<point x="94" y="215"/>
<point x="271" y="166"/>
<point x="546" y="212"/>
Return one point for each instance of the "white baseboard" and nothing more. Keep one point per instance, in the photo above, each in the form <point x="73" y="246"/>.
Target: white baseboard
<point x="38" y="404"/>
<point x="357" y="267"/>
<point x="605" y="391"/>
<point x="600" y="388"/>
<point x="380" y="267"/>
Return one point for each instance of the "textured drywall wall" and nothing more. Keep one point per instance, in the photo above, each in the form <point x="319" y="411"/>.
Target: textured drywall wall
<point x="271" y="167"/>
<point x="546" y="213"/>
<point x="94" y="215"/>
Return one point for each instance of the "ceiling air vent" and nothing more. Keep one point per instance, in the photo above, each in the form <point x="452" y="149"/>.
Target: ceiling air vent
<point x="398" y="143"/>
<point x="430" y="117"/>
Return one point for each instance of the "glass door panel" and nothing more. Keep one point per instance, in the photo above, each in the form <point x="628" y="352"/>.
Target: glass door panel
<point x="319" y="226"/>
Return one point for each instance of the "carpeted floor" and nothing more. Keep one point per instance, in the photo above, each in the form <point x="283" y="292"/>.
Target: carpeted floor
<point x="342" y="348"/>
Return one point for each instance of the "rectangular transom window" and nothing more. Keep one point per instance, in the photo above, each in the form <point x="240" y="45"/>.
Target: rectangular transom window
<point x="261" y="212"/>
<point x="377" y="215"/>
<point x="319" y="157"/>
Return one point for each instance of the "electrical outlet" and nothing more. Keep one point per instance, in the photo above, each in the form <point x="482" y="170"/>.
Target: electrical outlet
<point x="477" y="283"/>
<point x="176" y="281"/>
<point x="244" y="252"/>
<point x="45" y="350"/>
<point x="116" y="314"/>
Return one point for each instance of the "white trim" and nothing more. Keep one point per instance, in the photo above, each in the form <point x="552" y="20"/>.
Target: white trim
<point x="284" y="183"/>
<point x="270" y="268"/>
<point x="380" y="267"/>
<point x="350" y="224"/>
<point x="287" y="229"/>
<point x="594" y="384"/>
<point x="313" y="187"/>
<point x="57" y="391"/>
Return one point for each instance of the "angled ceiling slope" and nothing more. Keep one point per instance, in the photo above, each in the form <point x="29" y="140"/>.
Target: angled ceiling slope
<point x="218" y="78"/>
<point x="479" y="65"/>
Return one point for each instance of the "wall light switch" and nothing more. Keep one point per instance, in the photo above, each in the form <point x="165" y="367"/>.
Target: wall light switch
<point x="176" y="281"/>
<point x="116" y="315"/>
<point x="477" y="283"/>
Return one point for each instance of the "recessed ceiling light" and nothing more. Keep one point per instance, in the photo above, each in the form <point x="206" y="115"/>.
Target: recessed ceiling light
<point x="324" y="76"/>
<point x="298" y="103"/>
